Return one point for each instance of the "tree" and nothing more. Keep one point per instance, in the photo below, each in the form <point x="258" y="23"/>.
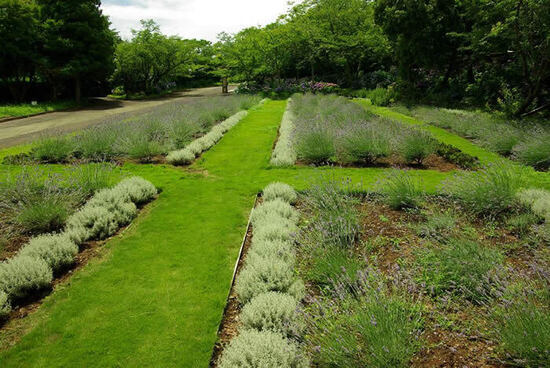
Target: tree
<point x="19" y="45"/>
<point x="78" y="43"/>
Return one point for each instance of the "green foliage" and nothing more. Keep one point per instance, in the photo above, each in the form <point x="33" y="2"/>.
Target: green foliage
<point x="537" y="200"/>
<point x="252" y="349"/>
<point x="23" y="275"/>
<point x="438" y="226"/>
<point x="524" y="331"/>
<point x="326" y="263"/>
<point x="47" y="215"/>
<point x="535" y="151"/>
<point x="521" y="224"/>
<point x="56" y="250"/>
<point x="488" y="192"/>
<point x="416" y="146"/>
<point x="365" y="144"/>
<point x="380" y="96"/>
<point x="5" y="307"/>
<point x="401" y="190"/>
<point x="274" y="312"/>
<point x="282" y="191"/>
<point x="52" y="150"/>
<point x="372" y="328"/>
<point x="460" y="267"/>
<point x="26" y="109"/>
<point x="316" y="145"/>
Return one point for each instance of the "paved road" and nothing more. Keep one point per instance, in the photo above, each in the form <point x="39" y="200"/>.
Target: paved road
<point x="25" y="130"/>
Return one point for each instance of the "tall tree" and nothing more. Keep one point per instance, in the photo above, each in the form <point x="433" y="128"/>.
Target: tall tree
<point x="78" y="42"/>
<point x="20" y="39"/>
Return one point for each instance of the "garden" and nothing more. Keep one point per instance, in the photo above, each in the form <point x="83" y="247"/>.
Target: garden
<point x="370" y="189"/>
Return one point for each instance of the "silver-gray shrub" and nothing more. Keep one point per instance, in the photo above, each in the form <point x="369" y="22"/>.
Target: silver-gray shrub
<point x="117" y="201"/>
<point x="284" y="153"/>
<point x="23" y="275"/>
<point x="276" y="207"/>
<point x="57" y="250"/>
<point x="138" y="189"/>
<point x="275" y="230"/>
<point x="273" y="311"/>
<point x="5" y="307"/>
<point x="263" y="274"/>
<point x="537" y="200"/>
<point x="281" y="191"/>
<point x="91" y="222"/>
<point x="254" y="349"/>
<point x="190" y="152"/>
<point x="273" y="248"/>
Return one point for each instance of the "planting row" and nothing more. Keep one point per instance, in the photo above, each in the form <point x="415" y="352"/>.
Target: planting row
<point x="397" y="278"/>
<point x="34" y="200"/>
<point x="268" y="290"/>
<point x="167" y="128"/>
<point x="328" y="129"/>
<point x="524" y="141"/>
<point x="194" y="149"/>
<point x="43" y="257"/>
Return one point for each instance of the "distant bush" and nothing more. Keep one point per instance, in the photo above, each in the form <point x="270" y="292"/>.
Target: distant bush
<point x="488" y="192"/>
<point x="316" y="145"/>
<point x="284" y="153"/>
<point x="261" y="275"/>
<point x="280" y="191"/>
<point x="416" y="146"/>
<point x="272" y="311"/>
<point x="460" y="267"/>
<point x="456" y="156"/>
<point x="99" y="143"/>
<point x="254" y="349"/>
<point x="380" y="96"/>
<point x="57" y="250"/>
<point x="5" y="307"/>
<point x="22" y="275"/>
<point x="535" y="151"/>
<point x="52" y="149"/>
<point x="365" y="144"/>
<point x="401" y="190"/>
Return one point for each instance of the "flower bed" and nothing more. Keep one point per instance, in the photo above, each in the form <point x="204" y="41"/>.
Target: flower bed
<point x="44" y="257"/>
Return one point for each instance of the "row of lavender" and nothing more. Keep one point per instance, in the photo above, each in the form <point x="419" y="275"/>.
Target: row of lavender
<point x="33" y="268"/>
<point x="268" y="289"/>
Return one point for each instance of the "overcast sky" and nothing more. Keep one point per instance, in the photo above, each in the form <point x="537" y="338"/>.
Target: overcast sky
<point x="193" y="18"/>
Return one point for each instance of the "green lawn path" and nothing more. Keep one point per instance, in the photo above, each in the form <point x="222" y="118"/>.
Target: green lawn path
<point x="156" y="297"/>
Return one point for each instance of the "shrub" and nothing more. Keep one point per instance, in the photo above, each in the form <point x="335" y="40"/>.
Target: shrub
<point x="524" y="331"/>
<point x="438" y="226"/>
<point x="93" y="177"/>
<point x="139" y="190"/>
<point x="276" y="207"/>
<point x="416" y="145"/>
<point x="274" y="312"/>
<point x="98" y="143"/>
<point x="488" y="192"/>
<point x="280" y="191"/>
<point x="316" y="145"/>
<point x="181" y="157"/>
<point x="461" y="267"/>
<point x="22" y="275"/>
<point x="503" y="140"/>
<point x="537" y="200"/>
<point x="52" y="150"/>
<point x="381" y="96"/>
<point x="279" y="249"/>
<point x="274" y="231"/>
<point x="91" y="222"/>
<point x="140" y="147"/>
<point x="375" y="330"/>
<point x="56" y="250"/>
<point x="326" y="263"/>
<point x="335" y="213"/>
<point x="254" y="349"/>
<point x="456" y="156"/>
<point x="116" y="201"/>
<point x="365" y="144"/>
<point x="43" y="216"/>
<point x="261" y="275"/>
<point x="5" y="307"/>
<point x="284" y="153"/>
<point x="401" y="190"/>
<point x="522" y="223"/>
<point x="535" y="151"/>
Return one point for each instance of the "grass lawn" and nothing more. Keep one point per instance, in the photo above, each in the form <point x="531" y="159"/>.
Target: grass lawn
<point x="157" y="294"/>
<point x="9" y="111"/>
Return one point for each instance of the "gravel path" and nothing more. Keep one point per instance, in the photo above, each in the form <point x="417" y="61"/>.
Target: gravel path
<point x="25" y="130"/>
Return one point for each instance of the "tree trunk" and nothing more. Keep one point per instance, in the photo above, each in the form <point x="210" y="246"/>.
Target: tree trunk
<point x="77" y="90"/>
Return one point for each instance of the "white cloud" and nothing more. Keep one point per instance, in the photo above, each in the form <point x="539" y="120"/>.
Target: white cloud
<point x="193" y="18"/>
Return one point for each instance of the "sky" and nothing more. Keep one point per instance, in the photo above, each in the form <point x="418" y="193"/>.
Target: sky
<point x="202" y="19"/>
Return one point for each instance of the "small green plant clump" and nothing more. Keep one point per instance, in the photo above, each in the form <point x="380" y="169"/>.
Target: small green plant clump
<point x="402" y="190"/>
